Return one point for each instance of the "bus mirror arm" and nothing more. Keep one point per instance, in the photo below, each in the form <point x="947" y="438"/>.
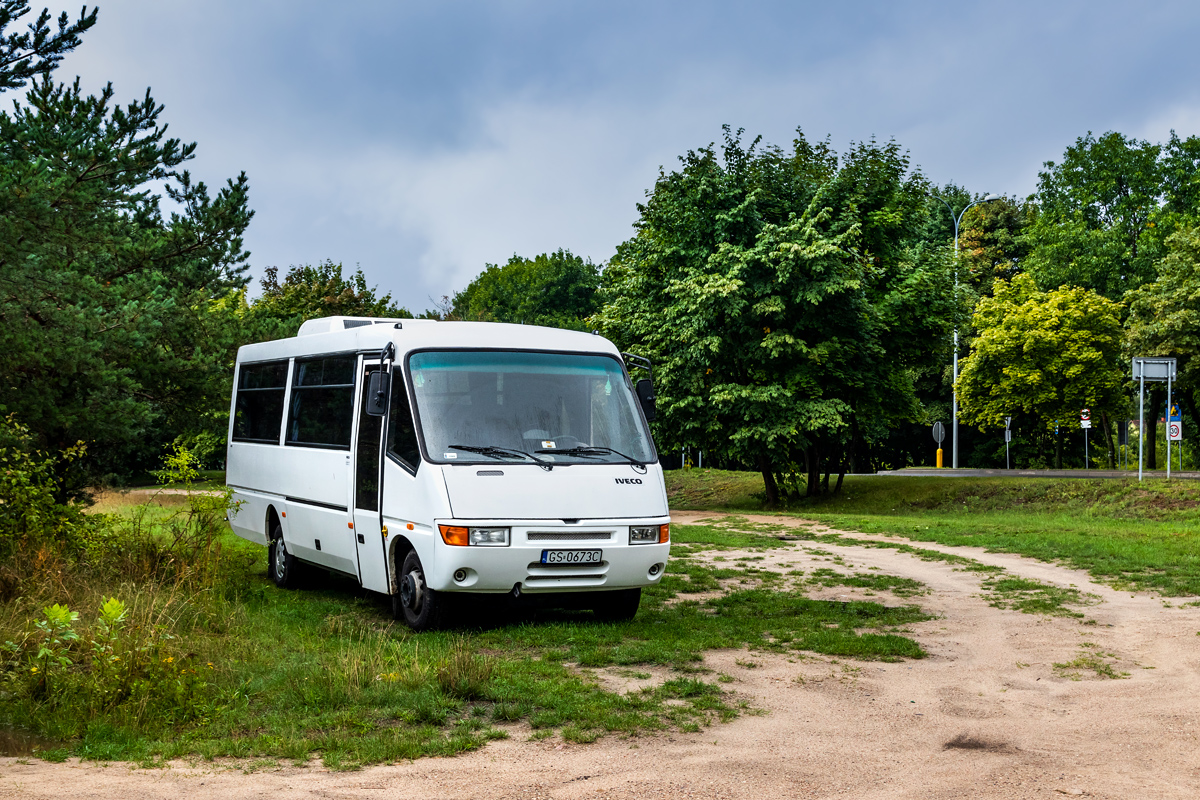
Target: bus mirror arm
<point x="380" y="385"/>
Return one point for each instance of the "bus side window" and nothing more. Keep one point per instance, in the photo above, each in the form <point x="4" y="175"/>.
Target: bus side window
<point x="322" y="407"/>
<point x="258" y="411"/>
<point x="402" y="435"/>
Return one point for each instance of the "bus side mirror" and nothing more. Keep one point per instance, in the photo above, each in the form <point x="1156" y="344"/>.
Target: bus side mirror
<point x="378" y="389"/>
<point x="645" y="395"/>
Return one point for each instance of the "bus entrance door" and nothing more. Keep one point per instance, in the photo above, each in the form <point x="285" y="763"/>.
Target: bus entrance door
<point x="372" y="567"/>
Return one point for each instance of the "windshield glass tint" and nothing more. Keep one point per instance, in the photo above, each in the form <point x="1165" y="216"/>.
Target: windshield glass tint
<point x="526" y="401"/>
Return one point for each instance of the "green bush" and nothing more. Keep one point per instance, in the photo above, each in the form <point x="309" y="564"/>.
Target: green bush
<point x="66" y="674"/>
<point x="33" y="513"/>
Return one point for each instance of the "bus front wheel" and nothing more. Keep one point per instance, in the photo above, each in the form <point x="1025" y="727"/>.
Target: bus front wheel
<point x="420" y="607"/>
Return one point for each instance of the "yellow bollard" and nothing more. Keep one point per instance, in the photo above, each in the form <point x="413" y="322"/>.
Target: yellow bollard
<point x="939" y="466"/>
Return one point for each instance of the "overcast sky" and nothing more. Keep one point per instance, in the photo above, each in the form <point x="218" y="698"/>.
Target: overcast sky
<point x="422" y="141"/>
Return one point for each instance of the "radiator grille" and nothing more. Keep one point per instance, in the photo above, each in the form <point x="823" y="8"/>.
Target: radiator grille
<point x="568" y="536"/>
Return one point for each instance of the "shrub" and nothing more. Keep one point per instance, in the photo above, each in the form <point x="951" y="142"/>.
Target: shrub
<point x="65" y="674"/>
<point x="32" y="511"/>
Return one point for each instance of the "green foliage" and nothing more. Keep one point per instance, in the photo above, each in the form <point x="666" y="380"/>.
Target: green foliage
<point x="309" y="292"/>
<point x="103" y="295"/>
<point x="1102" y="214"/>
<point x="788" y="301"/>
<point x="557" y="290"/>
<point x="992" y="243"/>
<point x="1164" y="319"/>
<point x="37" y="50"/>
<point x="33" y="513"/>
<point x="105" y="669"/>
<point x="1042" y="354"/>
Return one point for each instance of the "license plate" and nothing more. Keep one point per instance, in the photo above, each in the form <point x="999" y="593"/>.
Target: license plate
<point x="572" y="556"/>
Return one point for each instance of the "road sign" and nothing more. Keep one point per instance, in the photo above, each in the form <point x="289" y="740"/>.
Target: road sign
<point x="1154" y="369"/>
<point x="1174" y="431"/>
<point x="1007" y="436"/>
<point x="939" y="432"/>
<point x="1173" y="414"/>
<point x="1085" y="423"/>
<point x="1085" y="414"/>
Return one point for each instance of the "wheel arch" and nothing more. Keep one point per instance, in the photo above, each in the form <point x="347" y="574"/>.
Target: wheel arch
<point x="273" y="518"/>
<point x="398" y="548"/>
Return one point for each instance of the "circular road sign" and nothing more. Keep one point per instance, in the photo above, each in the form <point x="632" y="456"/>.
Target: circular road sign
<point x="939" y="432"/>
<point x="1085" y="413"/>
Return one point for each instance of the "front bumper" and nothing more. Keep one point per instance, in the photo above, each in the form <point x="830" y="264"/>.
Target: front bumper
<point x="499" y="569"/>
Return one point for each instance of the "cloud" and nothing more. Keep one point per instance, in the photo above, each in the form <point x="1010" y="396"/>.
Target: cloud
<point x="422" y="141"/>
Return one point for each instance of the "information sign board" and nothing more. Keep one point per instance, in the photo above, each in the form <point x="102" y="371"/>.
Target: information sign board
<point x="1154" y="369"/>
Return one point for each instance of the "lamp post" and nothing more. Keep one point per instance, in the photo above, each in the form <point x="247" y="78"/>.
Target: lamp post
<point x="954" y="396"/>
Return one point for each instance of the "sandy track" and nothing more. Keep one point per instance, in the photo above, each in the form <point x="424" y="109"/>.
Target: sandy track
<point x="831" y="729"/>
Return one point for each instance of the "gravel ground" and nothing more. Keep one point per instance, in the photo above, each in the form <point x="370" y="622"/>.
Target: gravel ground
<point x="986" y="715"/>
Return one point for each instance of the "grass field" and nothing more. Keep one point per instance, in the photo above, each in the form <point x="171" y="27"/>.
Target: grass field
<point x="239" y="668"/>
<point x="1142" y="536"/>
<point x="230" y="665"/>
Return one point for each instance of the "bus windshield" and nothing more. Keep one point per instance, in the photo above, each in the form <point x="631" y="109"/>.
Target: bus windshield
<point x="491" y="406"/>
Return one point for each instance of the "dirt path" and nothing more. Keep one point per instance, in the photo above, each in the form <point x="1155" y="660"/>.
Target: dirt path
<point x="987" y="715"/>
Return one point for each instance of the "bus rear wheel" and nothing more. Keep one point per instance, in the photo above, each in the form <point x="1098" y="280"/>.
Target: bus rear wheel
<point x="420" y="607"/>
<point x="618" y="606"/>
<point x="281" y="565"/>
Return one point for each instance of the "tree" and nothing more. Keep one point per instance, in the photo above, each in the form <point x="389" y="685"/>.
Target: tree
<point x="992" y="243"/>
<point x="556" y="289"/>
<point x="310" y="292"/>
<point x="36" y="51"/>
<point x="778" y="297"/>
<point x="103" y="296"/>
<point x="1096" y="220"/>
<point x="1046" y="355"/>
<point x="1164" y="318"/>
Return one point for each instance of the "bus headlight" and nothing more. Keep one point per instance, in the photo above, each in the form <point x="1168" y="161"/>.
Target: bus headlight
<point x="489" y="537"/>
<point x="482" y="537"/>
<point x="643" y="535"/>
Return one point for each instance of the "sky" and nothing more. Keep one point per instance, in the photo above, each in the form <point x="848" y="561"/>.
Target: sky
<point x="422" y="141"/>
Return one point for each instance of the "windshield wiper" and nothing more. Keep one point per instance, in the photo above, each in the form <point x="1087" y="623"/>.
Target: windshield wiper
<point x="498" y="452"/>
<point x="592" y="452"/>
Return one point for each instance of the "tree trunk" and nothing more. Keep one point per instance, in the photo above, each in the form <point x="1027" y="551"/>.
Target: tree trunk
<point x="1108" y="440"/>
<point x="1150" y="435"/>
<point x="812" y="460"/>
<point x="1189" y="402"/>
<point x="854" y="444"/>
<point x="768" y="474"/>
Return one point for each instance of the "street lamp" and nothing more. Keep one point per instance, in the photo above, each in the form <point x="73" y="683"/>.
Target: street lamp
<point x="954" y="397"/>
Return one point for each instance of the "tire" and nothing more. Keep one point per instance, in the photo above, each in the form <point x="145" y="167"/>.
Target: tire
<point x="282" y="567"/>
<point x="618" y="606"/>
<point x="420" y="607"/>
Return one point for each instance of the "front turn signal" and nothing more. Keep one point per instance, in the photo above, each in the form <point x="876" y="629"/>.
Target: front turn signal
<point x="664" y="533"/>
<point x="454" y="535"/>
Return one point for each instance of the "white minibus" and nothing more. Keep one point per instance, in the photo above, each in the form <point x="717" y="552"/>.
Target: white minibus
<point x="425" y="458"/>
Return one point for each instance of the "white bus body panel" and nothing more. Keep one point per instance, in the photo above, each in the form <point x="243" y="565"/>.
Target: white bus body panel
<point x="578" y="491"/>
<point x="311" y="490"/>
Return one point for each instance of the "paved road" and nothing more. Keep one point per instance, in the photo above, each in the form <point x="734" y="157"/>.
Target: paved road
<point x="1038" y="473"/>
